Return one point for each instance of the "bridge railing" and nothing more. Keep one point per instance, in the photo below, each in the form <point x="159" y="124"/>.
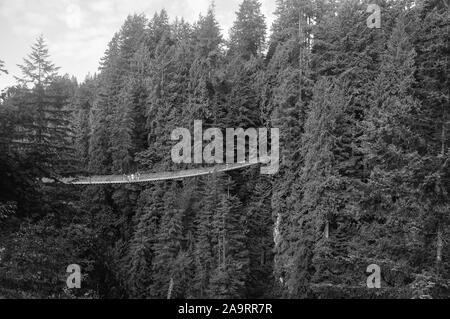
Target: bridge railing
<point x="139" y="177"/>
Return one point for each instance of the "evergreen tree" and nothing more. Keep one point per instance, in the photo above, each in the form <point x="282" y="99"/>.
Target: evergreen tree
<point x="391" y="210"/>
<point x="127" y="102"/>
<point x="204" y="249"/>
<point x="141" y="253"/>
<point x="247" y="41"/>
<point x="169" y="250"/>
<point x="207" y="41"/>
<point x="221" y="255"/>
<point x="47" y="128"/>
<point x="259" y="239"/>
<point x="2" y="67"/>
<point x="432" y="121"/>
<point x="231" y="273"/>
<point x="100" y="158"/>
<point x="37" y="69"/>
<point x="247" y="37"/>
<point x="325" y="215"/>
<point x="82" y="107"/>
<point x="286" y="94"/>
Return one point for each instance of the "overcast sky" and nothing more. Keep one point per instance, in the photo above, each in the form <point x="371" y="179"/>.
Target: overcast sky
<point x="77" y="31"/>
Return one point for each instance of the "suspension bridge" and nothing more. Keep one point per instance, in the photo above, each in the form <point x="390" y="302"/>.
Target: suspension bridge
<point x="138" y="177"/>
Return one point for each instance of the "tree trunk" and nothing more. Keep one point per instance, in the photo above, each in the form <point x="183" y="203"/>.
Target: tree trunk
<point x="440" y="240"/>
<point x="169" y="292"/>
<point x="439" y="248"/>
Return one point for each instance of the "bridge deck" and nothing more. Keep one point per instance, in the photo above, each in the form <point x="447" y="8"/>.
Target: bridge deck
<point x="155" y="177"/>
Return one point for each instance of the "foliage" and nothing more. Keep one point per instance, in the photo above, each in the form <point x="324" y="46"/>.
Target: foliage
<point x="364" y="176"/>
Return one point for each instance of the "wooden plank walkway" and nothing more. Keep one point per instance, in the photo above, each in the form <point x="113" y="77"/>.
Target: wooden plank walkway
<point x="154" y="177"/>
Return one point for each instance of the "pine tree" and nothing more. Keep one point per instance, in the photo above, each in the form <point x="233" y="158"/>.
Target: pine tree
<point x="168" y="249"/>
<point x="233" y="259"/>
<point x="390" y="210"/>
<point x="158" y="29"/>
<point x="239" y="99"/>
<point x="132" y="34"/>
<point x="204" y="250"/>
<point x="47" y="131"/>
<point x="17" y="175"/>
<point x="325" y="212"/>
<point x="2" y="67"/>
<point x="128" y="107"/>
<point x="122" y="133"/>
<point x="259" y="239"/>
<point x="286" y="94"/>
<point x="37" y="68"/>
<point x="168" y="79"/>
<point x="82" y="107"/>
<point x="221" y="255"/>
<point x="247" y="36"/>
<point x="207" y="41"/>
<point x="247" y="41"/>
<point x="100" y="158"/>
<point x="207" y="34"/>
<point x="432" y="120"/>
<point x="141" y="253"/>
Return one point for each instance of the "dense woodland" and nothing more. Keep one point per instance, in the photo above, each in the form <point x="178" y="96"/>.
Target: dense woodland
<point x="364" y="116"/>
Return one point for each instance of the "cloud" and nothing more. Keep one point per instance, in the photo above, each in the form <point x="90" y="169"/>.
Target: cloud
<point x="73" y="16"/>
<point x="101" y="6"/>
<point x="78" y="31"/>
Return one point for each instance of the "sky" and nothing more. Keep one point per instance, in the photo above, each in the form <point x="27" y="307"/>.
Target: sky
<point x="78" y="31"/>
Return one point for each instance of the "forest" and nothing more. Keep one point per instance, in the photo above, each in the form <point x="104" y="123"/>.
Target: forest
<point x="364" y="178"/>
